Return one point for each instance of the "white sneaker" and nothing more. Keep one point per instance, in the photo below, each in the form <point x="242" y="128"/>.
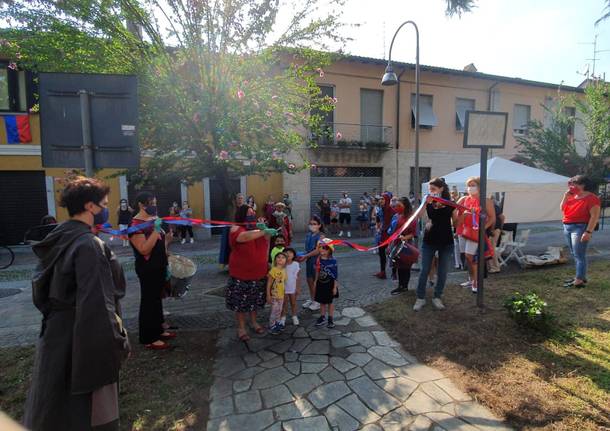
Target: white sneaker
<point x="183" y="241"/>
<point x="474" y="289"/>
<point x="419" y="304"/>
<point x="341" y="233"/>
<point x="438" y="304"/>
<point x="349" y="234"/>
<point x="314" y="306"/>
<point x="295" y="320"/>
<point x="283" y="321"/>
<point x="307" y="303"/>
<point x="466" y="284"/>
<point x="192" y="240"/>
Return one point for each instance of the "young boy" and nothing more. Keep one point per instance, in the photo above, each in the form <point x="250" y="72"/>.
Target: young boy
<point x="276" y="282"/>
<point x="292" y="287"/>
<point x="326" y="283"/>
<point x="278" y="246"/>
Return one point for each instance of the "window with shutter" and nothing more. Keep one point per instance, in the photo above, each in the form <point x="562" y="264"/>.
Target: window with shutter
<point x="427" y="119"/>
<point x="461" y="106"/>
<point x="521" y="118"/>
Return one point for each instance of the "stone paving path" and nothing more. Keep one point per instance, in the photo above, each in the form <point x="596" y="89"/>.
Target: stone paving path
<point x="347" y="378"/>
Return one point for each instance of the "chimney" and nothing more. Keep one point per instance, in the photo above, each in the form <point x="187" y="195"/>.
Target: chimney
<point x="470" y="68"/>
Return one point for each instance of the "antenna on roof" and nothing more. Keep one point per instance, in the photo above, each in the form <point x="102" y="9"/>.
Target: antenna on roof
<point x="383" y="37"/>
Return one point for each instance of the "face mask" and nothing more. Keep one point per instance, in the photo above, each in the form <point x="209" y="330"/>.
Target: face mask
<point x="123" y="206"/>
<point x="101" y="217"/>
<point x="250" y="222"/>
<point x="314" y="228"/>
<point x="151" y="210"/>
<point x="435" y="195"/>
<point x="472" y="190"/>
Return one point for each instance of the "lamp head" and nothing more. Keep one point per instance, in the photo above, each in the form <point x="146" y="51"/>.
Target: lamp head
<point x="389" y="77"/>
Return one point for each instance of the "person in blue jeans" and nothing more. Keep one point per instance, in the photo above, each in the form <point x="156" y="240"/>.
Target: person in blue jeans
<point x="313" y="237"/>
<point x="581" y="209"/>
<point x="438" y="237"/>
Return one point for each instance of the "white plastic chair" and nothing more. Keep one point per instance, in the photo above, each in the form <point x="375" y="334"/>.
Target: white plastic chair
<point x="516" y="248"/>
<point x="501" y="249"/>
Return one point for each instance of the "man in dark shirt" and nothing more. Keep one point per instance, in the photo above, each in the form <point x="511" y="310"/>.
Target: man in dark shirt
<point x="493" y="264"/>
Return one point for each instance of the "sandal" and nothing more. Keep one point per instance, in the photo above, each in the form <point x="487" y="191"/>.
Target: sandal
<point x="243" y="337"/>
<point x="153" y="346"/>
<point x="259" y="330"/>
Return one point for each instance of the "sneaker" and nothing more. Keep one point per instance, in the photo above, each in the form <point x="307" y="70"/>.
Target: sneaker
<point x="281" y="327"/>
<point x="438" y="304"/>
<point x="473" y="289"/>
<point x="283" y="321"/>
<point x="321" y="321"/>
<point x="295" y="320"/>
<point x="331" y="323"/>
<point x="398" y="291"/>
<point x="341" y="233"/>
<point x="314" y="306"/>
<point x="419" y="304"/>
<point x="349" y="234"/>
<point x="192" y="240"/>
<point x="466" y="283"/>
<point x="307" y="303"/>
<point x="183" y="241"/>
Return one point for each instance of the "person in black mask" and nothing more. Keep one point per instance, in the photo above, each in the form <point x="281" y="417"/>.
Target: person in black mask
<point x="82" y="344"/>
<point x="150" y="249"/>
<point x="124" y="215"/>
<point x="248" y="268"/>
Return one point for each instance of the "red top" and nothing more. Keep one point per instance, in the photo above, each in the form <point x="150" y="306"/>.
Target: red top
<point x="475" y="206"/>
<point x="578" y="210"/>
<point x="248" y="260"/>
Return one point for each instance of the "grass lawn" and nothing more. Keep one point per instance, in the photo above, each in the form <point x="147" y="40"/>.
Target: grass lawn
<point x="159" y="390"/>
<point x="556" y="382"/>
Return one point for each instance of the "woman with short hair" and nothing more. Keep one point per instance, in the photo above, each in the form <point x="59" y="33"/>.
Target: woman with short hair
<point x="581" y="209"/>
<point x="82" y="343"/>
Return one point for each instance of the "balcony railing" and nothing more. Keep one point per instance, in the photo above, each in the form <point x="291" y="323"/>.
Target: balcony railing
<point x="353" y="136"/>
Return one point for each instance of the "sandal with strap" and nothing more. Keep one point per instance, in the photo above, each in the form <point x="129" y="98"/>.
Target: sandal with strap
<point x="259" y="330"/>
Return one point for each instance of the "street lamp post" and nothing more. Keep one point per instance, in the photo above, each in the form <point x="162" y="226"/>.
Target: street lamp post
<point x="390" y="78"/>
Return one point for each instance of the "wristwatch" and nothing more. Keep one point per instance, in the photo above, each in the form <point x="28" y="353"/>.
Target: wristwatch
<point x="589" y="232"/>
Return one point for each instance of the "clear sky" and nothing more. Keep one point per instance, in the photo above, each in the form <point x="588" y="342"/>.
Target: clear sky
<point x="542" y="40"/>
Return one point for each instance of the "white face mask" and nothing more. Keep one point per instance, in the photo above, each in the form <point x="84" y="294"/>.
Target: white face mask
<point x="314" y="228"/>
<point x="472" y="190"/>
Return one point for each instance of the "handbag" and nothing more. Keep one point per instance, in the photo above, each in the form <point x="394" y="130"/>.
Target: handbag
<point x="403" y="254"/>
<point x="470" y="228"/>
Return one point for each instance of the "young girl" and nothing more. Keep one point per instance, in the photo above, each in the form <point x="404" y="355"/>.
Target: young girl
<point x="275" y="292"/>
<point x="315" y="234"/>
<point x="292" y="288"/>
<point x="326" y="283"/>
<point x="363" y="217"/>
<point x="334" y="217"/>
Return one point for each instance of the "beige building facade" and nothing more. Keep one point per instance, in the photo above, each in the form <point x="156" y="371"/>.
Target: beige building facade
<point x="371" y="136"/>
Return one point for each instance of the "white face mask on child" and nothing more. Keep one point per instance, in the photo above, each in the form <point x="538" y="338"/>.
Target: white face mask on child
<point x="314" y="228"/>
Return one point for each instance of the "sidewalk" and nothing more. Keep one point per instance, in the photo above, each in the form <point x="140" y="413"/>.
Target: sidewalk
<point x="351" y="377"/>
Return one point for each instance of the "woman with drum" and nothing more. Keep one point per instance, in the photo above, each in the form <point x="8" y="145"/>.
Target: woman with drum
<point x="403" y="253"/>
<point x="438" y="238"/>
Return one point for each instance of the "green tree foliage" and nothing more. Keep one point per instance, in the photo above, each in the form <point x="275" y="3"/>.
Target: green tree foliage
<point x="554" y="147"/>
<point x="226" y="87"/>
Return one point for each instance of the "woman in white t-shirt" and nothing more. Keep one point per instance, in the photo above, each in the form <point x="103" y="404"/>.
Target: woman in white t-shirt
<point x="345" y="215"/>
<point x="292" y="286"/>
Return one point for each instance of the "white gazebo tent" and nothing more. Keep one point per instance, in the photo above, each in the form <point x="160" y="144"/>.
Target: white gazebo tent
<point x="531" y="195"/>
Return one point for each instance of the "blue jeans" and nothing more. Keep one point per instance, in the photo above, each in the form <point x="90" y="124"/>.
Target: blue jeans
<point x="573" y="232"/>
<point x="444" y="260"/>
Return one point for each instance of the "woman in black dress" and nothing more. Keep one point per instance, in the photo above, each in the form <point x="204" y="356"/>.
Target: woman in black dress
<point x="150" y="250"/>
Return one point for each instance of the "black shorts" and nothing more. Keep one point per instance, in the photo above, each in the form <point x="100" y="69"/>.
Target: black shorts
<point x="345" y="218"/>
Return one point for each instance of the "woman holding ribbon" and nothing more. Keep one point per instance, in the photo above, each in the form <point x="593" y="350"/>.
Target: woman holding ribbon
<point x="469" y="225"/>
<point x="384" y="216"/>
<point x="438" y="238"/>
<point x="581" y="209"/>
<point x="248" y="269"/>
<point x="404" y="210"/>
<point x="149" y="245"/>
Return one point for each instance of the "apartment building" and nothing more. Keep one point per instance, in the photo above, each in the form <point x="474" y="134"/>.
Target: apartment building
<point x="370" y="139"/>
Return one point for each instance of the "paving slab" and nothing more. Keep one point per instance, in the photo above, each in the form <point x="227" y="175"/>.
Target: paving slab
<point x="436" y="393"/>
<point x="276" y="396"/>
<point x="248" y="402"/>
<point x="400" y="387"/>
<point x="229" y="366"/>
<point x="364" y="338"/>
<point x="354" y="373"/>
<point x="300" y="408"/>
<point x="321" y="359"/>
<point x="341" y="420"/>
<point x="353" y="312"/>
<point x="378" y="370"/>
<point x="273" y="363"/>
<point x="397" y="420"/>
<point x="420" y="373"/>
<point x="328" y="393"/>
<point x="330" y="374"/>
<point x="358" y="410"/>
<point x="366" y="321"/>
<point x="341" y="364"/>
<point x="282" y="347"/>
<point x="221" y="407"/>
<point x="303" y="384"/>
<point x="421" y="423"/>
<point x="293" y="367"/>
<point x="373" y="396"/>
<point x="339" y="341"/>
<point x="479" y="416"/>
<point x="270" y="378"/>
<point x="388" y="355"/>
<point x="242" y="385"/>
<point x="319" y="347"/>
<point x="360" y="359"/>
<point x="252" y="422"/>
<point x="449" y="422"/>
<point x="221" y="388"/>
<point x="317" y="423"/>
<point x="419" y="403"/>
<point x="300" y="344"/>
<point x="455" y="393"/>
<point x="312" y="367"/>
<point x="383" y="339"/>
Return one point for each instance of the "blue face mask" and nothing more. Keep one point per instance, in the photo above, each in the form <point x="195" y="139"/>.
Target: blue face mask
<point x="151" y="210"/>
<point x="101" y="217"/>
<point x="250" y="222"/>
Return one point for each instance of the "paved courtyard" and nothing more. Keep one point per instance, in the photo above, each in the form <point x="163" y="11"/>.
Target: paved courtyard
<point x="351" y="377"/>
